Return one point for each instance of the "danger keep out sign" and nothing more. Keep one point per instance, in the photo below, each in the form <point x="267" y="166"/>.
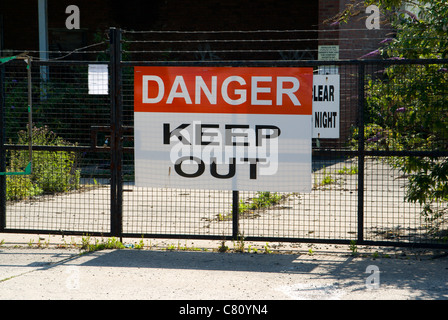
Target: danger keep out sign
<point x="223" y="128"/>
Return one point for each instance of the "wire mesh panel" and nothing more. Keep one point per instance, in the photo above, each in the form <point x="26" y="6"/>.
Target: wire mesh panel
<point x="68" y="188"/>
<point x="388" y="216"/>
<point x="336" y="209"/>
<point x="405" y="126"/>
<point x="328" y="212"/>
<point x="165" y="212"/>
<point x="381" y="181"/>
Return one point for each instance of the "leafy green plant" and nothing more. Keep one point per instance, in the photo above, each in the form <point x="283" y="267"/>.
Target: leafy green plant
<point x="260" y="201"/>
<point x="110" y="243"/>
<point x="171" y="247"/>
<point x="251" y="250"/>
<point x="223" y="248"/>
<point x="239" y="245"/>
<point x="406" y="105"/>
<point x="328" y="179"/>
<point x="21" y="187"/>
<point x="267" y="248"/>
<point x="350" y="171"/>
<point x="140" y="245"/>
<point x="53" y="171"/>
<point x="353" y="248"/>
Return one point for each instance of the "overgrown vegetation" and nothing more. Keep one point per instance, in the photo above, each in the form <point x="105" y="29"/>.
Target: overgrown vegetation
<point x="248" y="208"/>
<point x="62" y="104"/>
<point x="53" y="171"/>
<point x="407" y="104"/>
<point x="110" y="243"/>
<point x="261" y="200"/>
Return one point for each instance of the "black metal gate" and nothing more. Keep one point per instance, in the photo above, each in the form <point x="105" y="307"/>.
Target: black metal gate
<point x="83" y="153"/>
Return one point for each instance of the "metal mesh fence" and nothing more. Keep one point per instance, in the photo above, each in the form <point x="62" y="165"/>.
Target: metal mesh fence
<point x="406" y="138"/>
<point x="68" y="189"/>
<point x="359" y="189"/>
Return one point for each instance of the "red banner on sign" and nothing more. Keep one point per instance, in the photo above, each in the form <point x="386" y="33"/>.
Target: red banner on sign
<point x="223" y="90"/>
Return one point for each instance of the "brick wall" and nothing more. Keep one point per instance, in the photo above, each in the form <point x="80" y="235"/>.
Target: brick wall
<point x="20" y="28"/>
<point x="354" y="39"/>
<point x="328" y="34"/>
<point x="237" y="15"/>
<point x="21" y="20"/>
<point x="21" y="32"/>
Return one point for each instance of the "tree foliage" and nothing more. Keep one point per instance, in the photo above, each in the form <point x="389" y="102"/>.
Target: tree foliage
<point x="407" y="106"/>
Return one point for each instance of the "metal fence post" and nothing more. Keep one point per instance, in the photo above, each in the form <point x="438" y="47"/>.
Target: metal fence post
<point x="2" y="152"/>
<point x="235" y="214"/>
<point x="116" y="132"/>
<point x="361" y="154"/>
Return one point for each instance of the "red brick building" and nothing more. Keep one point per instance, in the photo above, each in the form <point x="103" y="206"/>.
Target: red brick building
<point x="19" y="20"/>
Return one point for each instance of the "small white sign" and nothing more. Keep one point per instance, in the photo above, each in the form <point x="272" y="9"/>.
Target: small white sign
<point x="326" y="106"/>
<point x="328" y="53"/>
<point x="98" y="79"/>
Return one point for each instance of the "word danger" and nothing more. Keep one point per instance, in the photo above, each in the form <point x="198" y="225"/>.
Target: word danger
<point x="199" y="144"/>
<point x="232" y="90"/>
<point x="223" y="90"/>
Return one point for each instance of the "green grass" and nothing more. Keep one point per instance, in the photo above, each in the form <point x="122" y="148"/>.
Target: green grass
<point x="110" y="243"/>
<point x="262" y="200"/>
<point x="350" y="171"/>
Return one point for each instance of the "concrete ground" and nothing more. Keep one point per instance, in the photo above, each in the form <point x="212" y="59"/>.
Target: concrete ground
<point x="36" y="267"/>
<point x="47" y="267"/>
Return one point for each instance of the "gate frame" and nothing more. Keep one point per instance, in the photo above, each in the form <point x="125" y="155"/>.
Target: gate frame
<point x="2" y="151"/>
<point x="116" y="65"/>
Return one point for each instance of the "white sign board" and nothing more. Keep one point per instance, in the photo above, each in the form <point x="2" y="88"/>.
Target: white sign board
<point x="246" y="129"/>
<point x="98" y="79"/>
<point x="326" y="106"/>
<point x="328" y="53"/>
